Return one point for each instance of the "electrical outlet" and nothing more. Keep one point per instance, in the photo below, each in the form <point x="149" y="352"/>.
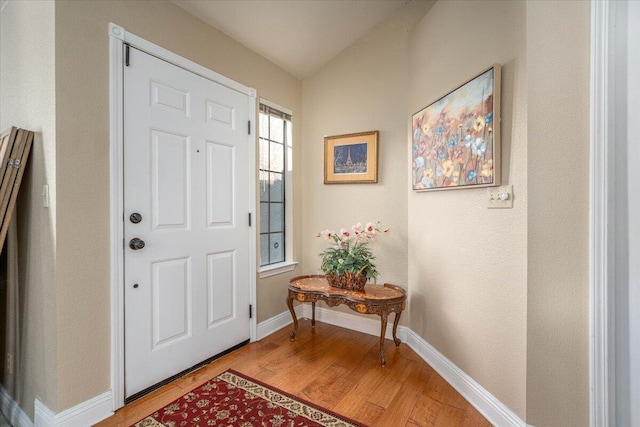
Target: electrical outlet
<point x="500" y="197"/>
<point x="10" y="363"/>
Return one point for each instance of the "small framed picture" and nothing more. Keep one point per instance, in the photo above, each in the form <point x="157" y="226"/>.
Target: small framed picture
<point x="351" y="158"/>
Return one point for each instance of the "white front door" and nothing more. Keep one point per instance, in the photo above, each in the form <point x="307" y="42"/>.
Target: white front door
<point x="187" y="198"/>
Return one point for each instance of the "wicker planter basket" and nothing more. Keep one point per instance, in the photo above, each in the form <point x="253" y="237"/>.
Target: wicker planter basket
<point x="348" y="281"/>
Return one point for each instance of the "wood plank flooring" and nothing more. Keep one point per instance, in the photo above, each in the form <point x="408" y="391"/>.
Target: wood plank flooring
<point x="338" y="369"/>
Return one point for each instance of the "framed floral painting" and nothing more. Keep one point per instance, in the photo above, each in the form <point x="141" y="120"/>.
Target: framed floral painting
<point x="456" y="140"/>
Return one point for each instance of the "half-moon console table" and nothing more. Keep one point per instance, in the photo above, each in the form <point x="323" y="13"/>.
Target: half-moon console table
<point x="375" y="299"/>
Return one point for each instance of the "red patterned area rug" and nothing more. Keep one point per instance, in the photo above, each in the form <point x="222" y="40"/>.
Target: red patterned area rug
<point x="232" y="399"/>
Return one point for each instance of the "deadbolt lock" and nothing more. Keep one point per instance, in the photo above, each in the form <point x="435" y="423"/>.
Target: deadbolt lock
<point x="135" y="217"/>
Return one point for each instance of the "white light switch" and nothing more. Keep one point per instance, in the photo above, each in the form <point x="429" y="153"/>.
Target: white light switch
<point x="500" y="197"/>
<point x="45" y="196"/>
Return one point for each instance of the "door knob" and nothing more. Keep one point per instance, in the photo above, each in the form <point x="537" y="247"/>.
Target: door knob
<point x="136" y="244"/>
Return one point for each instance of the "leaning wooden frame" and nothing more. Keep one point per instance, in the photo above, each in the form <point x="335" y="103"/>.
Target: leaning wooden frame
<point x="15" y="146"/>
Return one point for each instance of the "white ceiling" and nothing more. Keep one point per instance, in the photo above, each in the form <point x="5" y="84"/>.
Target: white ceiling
<point x="297" y="35"/>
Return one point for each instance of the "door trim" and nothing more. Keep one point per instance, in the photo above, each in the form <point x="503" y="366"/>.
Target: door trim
<point x="602" y="215"/>
<point x="117" y="39"/>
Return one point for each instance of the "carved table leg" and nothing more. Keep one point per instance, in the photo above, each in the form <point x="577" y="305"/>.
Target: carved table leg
<point x="293" y="315"/>
<point x="313" y="313"/>
<point x="383" y="321"/>
<point x="395" y="328"/>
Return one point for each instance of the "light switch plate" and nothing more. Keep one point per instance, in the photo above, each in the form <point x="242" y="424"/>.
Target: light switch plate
<point x="45" y="196"/>
<point x="500" y="197"/>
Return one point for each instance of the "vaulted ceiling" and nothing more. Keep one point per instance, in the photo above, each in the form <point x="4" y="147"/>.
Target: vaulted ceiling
<point x="297" y="35"/>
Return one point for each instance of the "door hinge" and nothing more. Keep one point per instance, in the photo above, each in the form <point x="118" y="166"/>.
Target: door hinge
<point x="127" y="48"/>
<point x="250" y="311"/>
<point x="249" y="127"/>
<point x="249" y="219"/>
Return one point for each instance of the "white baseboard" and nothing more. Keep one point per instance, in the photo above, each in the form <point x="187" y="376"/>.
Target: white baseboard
<point x="269" y="326"/>
<point x="44" y="417"/>
<point x="491" y="408"/>
<point x="496" y="412"/>
<point x="12" y="411"/>
<point x="86" y="413"/>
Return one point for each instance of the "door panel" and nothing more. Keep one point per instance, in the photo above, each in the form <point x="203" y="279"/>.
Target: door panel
<point x="187" y="172"/>
<point x="170" y="171"/>
<point x="220" y="184"/>
<point x="221" y="284"/>
<point x="169" y="98"/>
<point x="171" y="302"/>
<point x="221" y="115"/>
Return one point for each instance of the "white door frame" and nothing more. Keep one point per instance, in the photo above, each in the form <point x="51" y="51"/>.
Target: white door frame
<point x="602" y="214"/>
<point x="118" y="37"/>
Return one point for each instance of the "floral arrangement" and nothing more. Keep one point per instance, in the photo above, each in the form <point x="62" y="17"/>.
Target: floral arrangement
<point x="350" y="254"/>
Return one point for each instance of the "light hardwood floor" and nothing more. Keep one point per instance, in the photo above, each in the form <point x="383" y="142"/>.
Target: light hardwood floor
<point x="338" y="369"/>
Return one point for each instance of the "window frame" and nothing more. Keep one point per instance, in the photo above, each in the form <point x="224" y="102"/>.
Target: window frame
<point x="289" y="263"/>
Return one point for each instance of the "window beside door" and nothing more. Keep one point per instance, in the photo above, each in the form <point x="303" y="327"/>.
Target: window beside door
<point x="275" y="149"/>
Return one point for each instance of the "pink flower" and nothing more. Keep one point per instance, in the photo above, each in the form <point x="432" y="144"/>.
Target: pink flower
<point x="326" y="234"/>
<point x="358" y="230"/>
<point x="359" y="234"/>
<point x="372" y="228"/>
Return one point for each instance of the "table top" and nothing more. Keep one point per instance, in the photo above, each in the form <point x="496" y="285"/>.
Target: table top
<point x="319" y="284"/>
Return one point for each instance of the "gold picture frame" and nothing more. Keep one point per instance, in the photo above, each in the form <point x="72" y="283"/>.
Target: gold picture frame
<point x="351" y="158"/>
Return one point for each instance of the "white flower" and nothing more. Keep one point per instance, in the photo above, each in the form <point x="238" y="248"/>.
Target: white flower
<point x="372" y="228"/>
<point x="468" y="140"/>
<point x="327" y="234"/>
<point x="479" y="147"/>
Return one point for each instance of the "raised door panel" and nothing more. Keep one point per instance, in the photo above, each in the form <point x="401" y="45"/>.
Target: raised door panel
<point x="171" y="313"/>
<point x="170" y="171"/>
<point x="221" y="186"/>
<point x="220" y="286"/>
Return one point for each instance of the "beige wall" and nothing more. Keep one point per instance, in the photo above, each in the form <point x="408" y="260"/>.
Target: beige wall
<point x="27" y="100"/>
<point x="501" y="293"/>
<point x="468" y="264"/>
<point x="558" y="211"/>
<point x="475" y="276"/>
<point x="364" y="88"/>
<point x="82" y="118"/>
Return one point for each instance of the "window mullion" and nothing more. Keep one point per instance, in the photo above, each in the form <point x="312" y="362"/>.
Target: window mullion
<point x="269" y="185"/>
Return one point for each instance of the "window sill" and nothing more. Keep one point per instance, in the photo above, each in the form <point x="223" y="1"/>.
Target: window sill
<point x="275" y="269"/>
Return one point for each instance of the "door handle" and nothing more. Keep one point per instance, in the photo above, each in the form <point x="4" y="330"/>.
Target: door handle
<point x="136" y="244"/>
